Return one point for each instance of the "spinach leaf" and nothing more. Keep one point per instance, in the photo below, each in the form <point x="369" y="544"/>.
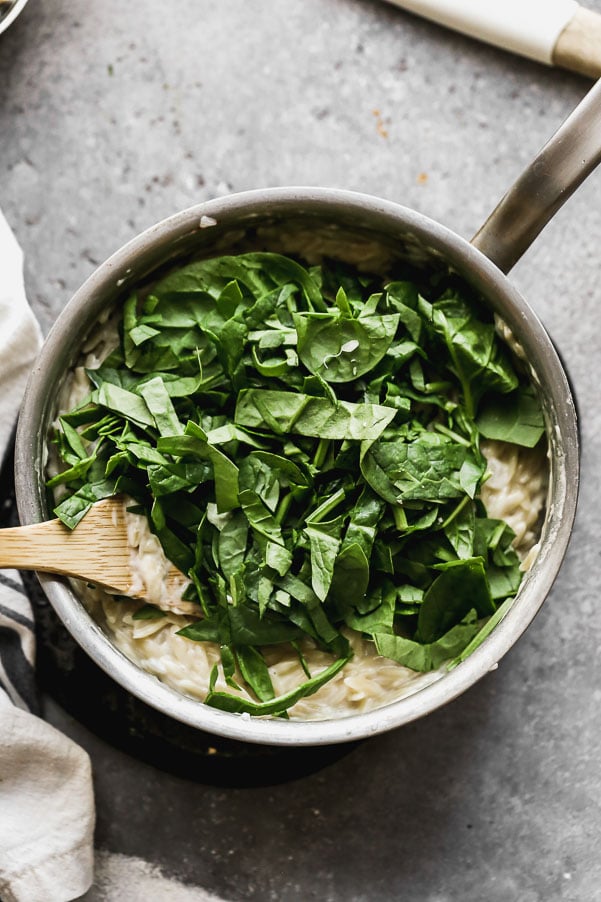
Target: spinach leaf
<point x="430" y="468"/>
<point x="233" y="541"/>
<point x="477" y="358"/>
<point x="427" y="656"/>
<point x="158" y="402"/>
<point x="125" y="403"/>
<point x="255" y="672"/>
<point x="324" y="539"/>
<point x="340" y="348"/>
<point x="461" y="587"/>
<point x="238" y="705"/>
<point x="515" y="418"/>
<point x="310" y="416"/>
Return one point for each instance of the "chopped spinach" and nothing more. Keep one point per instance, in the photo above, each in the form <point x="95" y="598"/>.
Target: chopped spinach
<point x="306" y="446"/>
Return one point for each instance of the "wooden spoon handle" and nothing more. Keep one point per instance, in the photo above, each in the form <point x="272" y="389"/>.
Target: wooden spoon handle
<point x="96" y="551"/>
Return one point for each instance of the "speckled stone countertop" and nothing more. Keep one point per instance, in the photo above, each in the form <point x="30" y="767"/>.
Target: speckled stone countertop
<point x="113" y="116"/>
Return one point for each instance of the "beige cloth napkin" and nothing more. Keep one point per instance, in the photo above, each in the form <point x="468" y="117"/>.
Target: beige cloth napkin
<point x="46" y="798"/>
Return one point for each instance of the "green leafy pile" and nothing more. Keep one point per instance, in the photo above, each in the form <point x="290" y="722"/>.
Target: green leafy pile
<point x="306" y="446"/>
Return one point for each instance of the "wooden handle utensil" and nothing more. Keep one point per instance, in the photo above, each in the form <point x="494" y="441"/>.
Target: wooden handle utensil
<point x="97" y="551"/>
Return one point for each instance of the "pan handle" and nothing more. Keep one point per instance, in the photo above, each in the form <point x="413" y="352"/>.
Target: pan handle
<point x="544" y="186"/>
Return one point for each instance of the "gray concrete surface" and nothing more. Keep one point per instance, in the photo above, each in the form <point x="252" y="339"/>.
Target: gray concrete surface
<point x="115" y="115"/>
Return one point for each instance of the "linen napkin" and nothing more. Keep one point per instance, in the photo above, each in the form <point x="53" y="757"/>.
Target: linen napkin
<point x="46" y="799"/>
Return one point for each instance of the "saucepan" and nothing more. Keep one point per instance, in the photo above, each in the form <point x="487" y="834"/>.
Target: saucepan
<point x="224" y="224"/>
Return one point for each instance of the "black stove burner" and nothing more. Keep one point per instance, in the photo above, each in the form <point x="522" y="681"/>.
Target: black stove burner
<point x="105" y="708"/>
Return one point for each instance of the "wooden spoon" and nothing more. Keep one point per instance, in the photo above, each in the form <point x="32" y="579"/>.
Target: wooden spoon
<point x="96" y="551"/>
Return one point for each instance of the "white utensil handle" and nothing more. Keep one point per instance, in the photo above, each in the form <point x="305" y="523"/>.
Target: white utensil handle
<point x="528" y="27"/>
